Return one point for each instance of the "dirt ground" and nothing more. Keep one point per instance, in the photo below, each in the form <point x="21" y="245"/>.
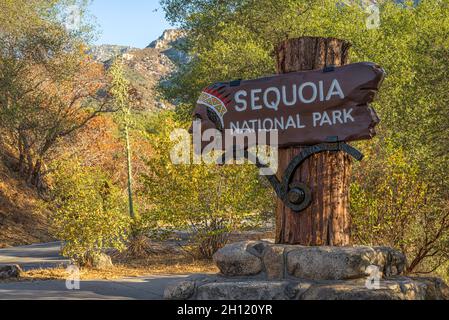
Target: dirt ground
<point x="23" y="217"/>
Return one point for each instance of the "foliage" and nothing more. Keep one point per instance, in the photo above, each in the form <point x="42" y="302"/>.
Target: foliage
<point x="90" y="212"/>
<point x="230" y="39"/>
<point x="48" y="85"/>
<point x="207" y="200"/>
<point x="121" y="92"/>
<point x="402" y="211"/>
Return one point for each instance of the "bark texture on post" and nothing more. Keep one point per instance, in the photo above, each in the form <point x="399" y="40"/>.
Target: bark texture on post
<point x="327" y="220"/>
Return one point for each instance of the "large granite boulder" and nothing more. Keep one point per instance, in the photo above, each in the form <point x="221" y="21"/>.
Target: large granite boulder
<point x="180" y="291"/>
<point x="10" y="272"/>
<point x="339" y="263"/>
<point x="100" y="261"/>
<point x="274" y="262"/>
<point x="391" y="289"/>
<point x="250" y="290"/>
<point x="237" y="260"/>
<point x="436" y="288"/>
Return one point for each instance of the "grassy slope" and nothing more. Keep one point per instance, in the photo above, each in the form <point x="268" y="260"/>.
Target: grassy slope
<point x="22" y="218"/>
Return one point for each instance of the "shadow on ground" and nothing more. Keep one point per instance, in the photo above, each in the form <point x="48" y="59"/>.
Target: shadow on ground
<point x="34" y="257"/>
<point x="144" y="288"/>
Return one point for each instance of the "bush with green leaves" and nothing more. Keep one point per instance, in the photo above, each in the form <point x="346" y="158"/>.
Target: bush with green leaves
<point x="392" y="204"/>
<point x="208" y="201"/>
<point x="90" y="213"/>
<point x="231" y="39"/>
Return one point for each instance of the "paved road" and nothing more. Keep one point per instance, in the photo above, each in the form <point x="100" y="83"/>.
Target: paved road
<point x="36" y="256"/>
<point x="47" y="256"/>
<point x="144" y="288"/>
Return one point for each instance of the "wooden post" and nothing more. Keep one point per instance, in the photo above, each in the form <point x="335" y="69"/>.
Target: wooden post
<point x="327" y="220"/>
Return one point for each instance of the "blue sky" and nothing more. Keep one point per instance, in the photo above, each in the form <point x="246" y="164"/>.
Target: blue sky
<point x="128" y="22"/>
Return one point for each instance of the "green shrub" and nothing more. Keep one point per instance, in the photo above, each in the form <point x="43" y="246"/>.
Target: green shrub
<point x="208" y="201"/>
<point x="393" y="204"/>
<point x="401" y="194"/>
<point x="90" y="213"/>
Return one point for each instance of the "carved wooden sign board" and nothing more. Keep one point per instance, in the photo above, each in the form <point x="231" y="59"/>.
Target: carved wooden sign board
<point x="305" y="108"/>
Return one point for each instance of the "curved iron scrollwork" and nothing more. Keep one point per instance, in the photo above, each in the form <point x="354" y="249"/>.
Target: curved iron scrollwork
<point x="298" y="196"/>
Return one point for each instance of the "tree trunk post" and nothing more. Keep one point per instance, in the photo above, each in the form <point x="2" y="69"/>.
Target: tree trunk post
<point x="326" y="222"/>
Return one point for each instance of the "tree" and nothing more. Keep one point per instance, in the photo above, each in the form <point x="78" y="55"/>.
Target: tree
<point x="235" y="39"/>
<point x="88" y="212"/>
<point x="401" y="211"/>
<point x="207" y="200"/>
<point x="49" y="87"/>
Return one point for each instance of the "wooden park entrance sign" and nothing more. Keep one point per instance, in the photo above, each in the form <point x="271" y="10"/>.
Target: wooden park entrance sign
<point x="304" y="107"/>
<point x="316" y="104"/>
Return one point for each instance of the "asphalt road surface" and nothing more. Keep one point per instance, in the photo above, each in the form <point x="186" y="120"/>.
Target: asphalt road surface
<point x="47" y="256"/>
<point x="143" y="288"/>
<point x="38" y="256"/>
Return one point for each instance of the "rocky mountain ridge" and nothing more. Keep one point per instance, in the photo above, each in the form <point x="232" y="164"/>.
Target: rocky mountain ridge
<point x="105" y="52"/>
<point x="166" y="40"/>
<point x="146" y="67"/>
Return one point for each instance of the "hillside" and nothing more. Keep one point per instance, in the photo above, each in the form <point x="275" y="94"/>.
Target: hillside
<point x="23" y="217"/>
<point x="23" y="220"/>
<point x="106" y="52"/>
<point x="146" y="67"/>
<point x="168" y="43"/>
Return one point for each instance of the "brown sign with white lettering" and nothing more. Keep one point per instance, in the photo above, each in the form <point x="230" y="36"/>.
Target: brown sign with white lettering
<point x="304" y="107"/>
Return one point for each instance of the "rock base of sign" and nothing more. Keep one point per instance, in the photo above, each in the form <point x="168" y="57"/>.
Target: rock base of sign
<point x="275" y="262"/>
<point x="208" y="287"/>
<point x="258" y="270"/>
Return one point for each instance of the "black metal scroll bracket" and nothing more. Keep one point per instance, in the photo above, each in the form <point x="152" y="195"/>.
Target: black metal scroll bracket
<point x="298" y="196"/>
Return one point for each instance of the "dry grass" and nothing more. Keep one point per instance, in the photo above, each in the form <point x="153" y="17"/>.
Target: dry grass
<point x="23" y="219"/>
<point x="153" y="265"/>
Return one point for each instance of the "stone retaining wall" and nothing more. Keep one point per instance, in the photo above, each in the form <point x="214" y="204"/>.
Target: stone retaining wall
<point x="258" y="270"/>
<point x="318" y="263"/>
